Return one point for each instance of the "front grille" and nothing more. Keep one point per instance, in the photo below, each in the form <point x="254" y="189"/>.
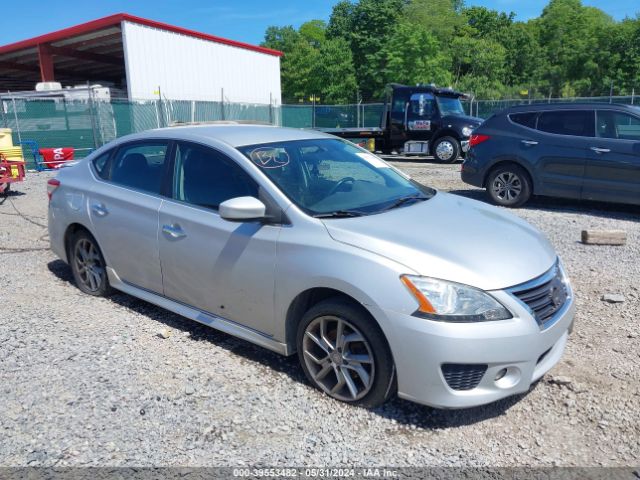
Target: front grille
<point x="545" y="295"/>
<point x="460" y="376"/>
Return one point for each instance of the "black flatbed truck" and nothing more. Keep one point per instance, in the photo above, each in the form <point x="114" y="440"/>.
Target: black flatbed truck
<point x="418" y="120"/>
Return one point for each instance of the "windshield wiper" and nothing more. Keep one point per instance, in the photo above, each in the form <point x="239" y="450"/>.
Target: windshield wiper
<point x="404" y="200"/>
<point x="340" y="214"/>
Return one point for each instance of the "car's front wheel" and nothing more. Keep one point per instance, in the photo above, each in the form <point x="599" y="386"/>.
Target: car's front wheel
<point x="509" y="185"/>
<point x="88" y="265"/>
<point x="344" y="353"/>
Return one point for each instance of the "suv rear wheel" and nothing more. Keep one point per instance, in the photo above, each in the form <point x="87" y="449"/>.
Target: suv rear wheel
<point x="88" y="266"/>
<point x="345" y="354"/>
<point x="509" y="185"/>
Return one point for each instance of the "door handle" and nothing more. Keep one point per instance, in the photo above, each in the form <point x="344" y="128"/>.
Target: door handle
<point x="99" y="209"/>
<point x="173" y="231"/>
<point x="529" y="142"/>
<point x="600" y="150"/>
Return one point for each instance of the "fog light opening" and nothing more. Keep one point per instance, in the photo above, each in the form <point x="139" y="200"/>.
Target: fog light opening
<point x="507" y="377"/>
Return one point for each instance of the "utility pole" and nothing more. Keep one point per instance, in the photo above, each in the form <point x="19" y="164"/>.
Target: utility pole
<point x="91" y="112"/>
<point x="611" y="93"/>
<point x="222" y="103"/>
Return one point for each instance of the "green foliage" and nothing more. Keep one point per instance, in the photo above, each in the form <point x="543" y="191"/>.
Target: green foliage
<point x="413" y="55"/>
<point x="570" y="50"/>
<point x="334" y="77"/>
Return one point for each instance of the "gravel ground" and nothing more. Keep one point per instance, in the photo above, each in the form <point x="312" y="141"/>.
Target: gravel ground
<point x="86" y="381"/>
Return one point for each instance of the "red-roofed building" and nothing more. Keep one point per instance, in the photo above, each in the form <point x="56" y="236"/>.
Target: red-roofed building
<point x="136" y="56"/>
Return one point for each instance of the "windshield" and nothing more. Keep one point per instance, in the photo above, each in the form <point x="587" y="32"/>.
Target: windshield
<point x="333" y="177"/>
<point x="422" y="104"/>
<point x="450" y="106"/>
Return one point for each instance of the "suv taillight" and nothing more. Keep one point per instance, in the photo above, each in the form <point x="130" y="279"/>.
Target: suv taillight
<point x="475" y="139"/>
<point x="51" y="187"/>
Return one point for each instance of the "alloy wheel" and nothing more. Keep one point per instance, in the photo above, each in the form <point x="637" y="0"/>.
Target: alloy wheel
<point x="444" y="151"/>
<point x="507" y="186"/>
<point x="339" y="358"/>
<point x="89" y="266"/>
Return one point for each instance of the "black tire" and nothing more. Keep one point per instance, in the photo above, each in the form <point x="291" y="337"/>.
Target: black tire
<point x="88" y="265"/>
<point x="446" y="150"/>
<point x="509" y="185"/>
<point x="374" y="380"/>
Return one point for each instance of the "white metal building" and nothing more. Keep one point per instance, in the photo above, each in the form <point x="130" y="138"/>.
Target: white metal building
<point x="137" y="55"/>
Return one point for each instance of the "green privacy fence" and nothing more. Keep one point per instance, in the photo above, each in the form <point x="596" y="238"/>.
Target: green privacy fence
<point x="87" y="123"/>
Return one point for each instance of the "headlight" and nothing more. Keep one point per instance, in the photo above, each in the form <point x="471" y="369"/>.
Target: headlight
<point x="453" y="302"/>
<point x="466" y="131"/>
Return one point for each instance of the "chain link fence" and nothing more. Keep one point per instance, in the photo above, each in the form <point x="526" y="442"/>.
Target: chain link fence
<point x="486" y="108"/>
<point x="88" y="123"/>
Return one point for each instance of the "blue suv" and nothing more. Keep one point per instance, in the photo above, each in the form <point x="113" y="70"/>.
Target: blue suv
<point x="581" y="151"/>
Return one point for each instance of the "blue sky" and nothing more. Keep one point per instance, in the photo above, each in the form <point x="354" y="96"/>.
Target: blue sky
<point x="243" y="20"/>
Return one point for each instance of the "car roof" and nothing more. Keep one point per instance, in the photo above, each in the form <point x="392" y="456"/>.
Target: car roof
<point x="235" y="135"/>
<point x="539" y="107"/>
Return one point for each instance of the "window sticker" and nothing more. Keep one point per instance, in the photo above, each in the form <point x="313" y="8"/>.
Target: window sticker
<point x="372" y="160"/>
<point x="268" y="157"/>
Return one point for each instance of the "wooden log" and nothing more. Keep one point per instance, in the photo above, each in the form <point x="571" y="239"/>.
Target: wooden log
<point x="604" y="237"/>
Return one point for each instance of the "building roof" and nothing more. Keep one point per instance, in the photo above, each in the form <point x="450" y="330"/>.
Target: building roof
<point x="89" y="52"/>
<point x="116" y="20"/>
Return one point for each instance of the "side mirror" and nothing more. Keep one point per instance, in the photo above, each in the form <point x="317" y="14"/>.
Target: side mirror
<point x="242" y="209"/>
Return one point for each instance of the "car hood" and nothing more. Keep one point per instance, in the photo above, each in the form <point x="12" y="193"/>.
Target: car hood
<point x="452" y="238"/>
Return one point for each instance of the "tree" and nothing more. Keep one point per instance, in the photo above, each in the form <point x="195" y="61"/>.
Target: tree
<point x="334" y="77"/>
<point x="372" y="24"/>
<point x="571" y="35"/>
<point x="280" y="38"/>
<point x="487" y="23"/>
<point x="413" y="55"/>
<point x="440" y="17"/>
<point x="570" y="50"/>
<point x="341" y="20"/>
<point x="314" y="32"/>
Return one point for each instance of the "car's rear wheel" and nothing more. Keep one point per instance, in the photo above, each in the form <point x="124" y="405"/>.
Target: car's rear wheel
<point x="88" y="265"/>
<point x="509" y="185"/>
<point x="344" y="353"/>
<point x="446" y="150"/>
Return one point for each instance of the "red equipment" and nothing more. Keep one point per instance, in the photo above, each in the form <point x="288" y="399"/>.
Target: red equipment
<point x="9" y="172"/>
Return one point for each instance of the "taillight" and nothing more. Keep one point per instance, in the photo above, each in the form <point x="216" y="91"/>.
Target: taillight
<point x="51" y="187"/>
<point x="476" y="139"/>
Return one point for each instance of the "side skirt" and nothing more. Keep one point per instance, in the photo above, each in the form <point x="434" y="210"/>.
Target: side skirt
<point x="199" y="316"/>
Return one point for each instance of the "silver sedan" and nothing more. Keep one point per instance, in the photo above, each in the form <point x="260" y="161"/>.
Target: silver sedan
<point x="301" y="242"/>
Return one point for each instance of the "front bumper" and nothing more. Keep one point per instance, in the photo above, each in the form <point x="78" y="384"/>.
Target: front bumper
<point x="464" y="144"/>
<point x="420" y="347"/>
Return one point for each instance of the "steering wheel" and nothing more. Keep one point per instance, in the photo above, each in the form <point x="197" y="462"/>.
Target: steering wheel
<point x="340" y="183"/>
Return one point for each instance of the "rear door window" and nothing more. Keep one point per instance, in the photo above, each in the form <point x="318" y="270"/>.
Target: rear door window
<point x="140" y="166"/>
<point x="578" y="123"/>
<point x="526" y="119"/>
<point x="206" y="177"/>
<point x="101" y="165"/>
<point x="618" y="125"/>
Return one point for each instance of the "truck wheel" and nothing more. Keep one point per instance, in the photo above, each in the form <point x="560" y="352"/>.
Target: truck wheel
<point x="446" y="149"/>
